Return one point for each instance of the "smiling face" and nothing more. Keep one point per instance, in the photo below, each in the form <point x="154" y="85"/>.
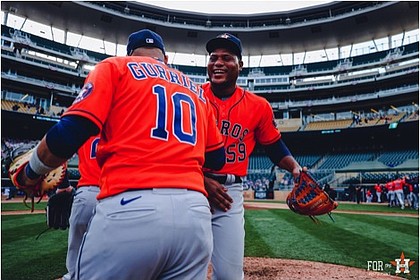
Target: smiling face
<point x="223" y="70"/>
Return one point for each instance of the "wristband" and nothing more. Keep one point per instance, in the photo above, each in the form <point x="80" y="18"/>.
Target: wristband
<point x="30" y="173"/>
<point x="37" y="165"/>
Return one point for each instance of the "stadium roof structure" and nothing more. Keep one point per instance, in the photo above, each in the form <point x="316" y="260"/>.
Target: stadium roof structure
<point x="317" y="27"/>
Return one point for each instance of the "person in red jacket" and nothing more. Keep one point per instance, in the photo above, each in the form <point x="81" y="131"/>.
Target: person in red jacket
<point x="369" y="196"/>
<point x="378" y="189"/>
<point x="415" y="184"/>
<point x="391" y="193"/>
<point x="408" y="192"/>
<point x="399" y="193"/>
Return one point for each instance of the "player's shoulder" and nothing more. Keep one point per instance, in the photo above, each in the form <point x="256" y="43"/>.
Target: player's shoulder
<point x="124" y="59"/>
<point x="113" y="61"/>
<point x="205" y="86"/>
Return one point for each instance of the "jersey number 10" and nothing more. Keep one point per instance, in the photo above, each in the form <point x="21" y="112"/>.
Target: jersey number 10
<point x="160" y="131"/>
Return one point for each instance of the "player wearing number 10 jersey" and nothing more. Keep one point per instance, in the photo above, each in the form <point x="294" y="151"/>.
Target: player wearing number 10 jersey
<point x="157" y="132"/>
<point x="157" y="125"/>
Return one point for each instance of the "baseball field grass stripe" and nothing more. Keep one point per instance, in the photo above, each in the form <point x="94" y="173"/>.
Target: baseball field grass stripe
<point x="413" y="221"/>
<point x="384" y="236"/>
<point x="348" y="206"/>
<point x="311" y="240"/>
<point x="352" y="240"/>
<point x="272" y="231"/>
<point x="284" y="232"/>
<point x="20" y="206"/>
<point x="23" y="257"/>
<point x="378" y="223"/>
<point x="367" y="235"/>
<point x="258" y="245"/>
<point x="12" y="222"/>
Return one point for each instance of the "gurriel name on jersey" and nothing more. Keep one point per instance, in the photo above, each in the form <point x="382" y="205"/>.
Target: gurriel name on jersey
<point x="145" y="70"/>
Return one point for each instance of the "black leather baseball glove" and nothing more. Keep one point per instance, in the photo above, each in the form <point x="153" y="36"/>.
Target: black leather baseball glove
<point x="59" y="209"/>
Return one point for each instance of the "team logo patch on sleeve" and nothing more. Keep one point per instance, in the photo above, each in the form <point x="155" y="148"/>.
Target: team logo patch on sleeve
<point x="84" y="92"/>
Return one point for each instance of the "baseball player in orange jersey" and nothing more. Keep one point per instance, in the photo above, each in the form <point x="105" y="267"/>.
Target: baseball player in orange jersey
<point x="378" y="189"/>
<point x="391" y="193"/>
<point x="158" y="131"/>
<point x="398" y="189"/>
<point x="408" y="192"/>
<point x="243" y="119"/>
<point x="84" y="202"/>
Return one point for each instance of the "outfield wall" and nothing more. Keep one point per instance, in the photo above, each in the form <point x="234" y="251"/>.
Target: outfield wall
<point x="278" y="195"/>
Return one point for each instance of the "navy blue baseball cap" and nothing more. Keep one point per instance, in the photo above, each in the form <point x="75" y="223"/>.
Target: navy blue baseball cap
<point x="226" y="41"/>
<point x="144" y="38"/>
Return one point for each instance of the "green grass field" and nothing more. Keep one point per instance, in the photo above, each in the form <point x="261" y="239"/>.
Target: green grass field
<point x="352" y="240"/>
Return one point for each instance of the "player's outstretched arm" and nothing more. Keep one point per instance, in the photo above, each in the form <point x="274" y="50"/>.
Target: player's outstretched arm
<point x="280" y="155"/>
<point x="290" y="164"/>
<point x="58" y="145"/>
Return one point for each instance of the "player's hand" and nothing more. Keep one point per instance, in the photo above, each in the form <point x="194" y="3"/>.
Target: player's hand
<point x="68" y="189"/>
<point x="218" y="196"/>
<point x="24" y="180"/>
<point x="296" y="171"/>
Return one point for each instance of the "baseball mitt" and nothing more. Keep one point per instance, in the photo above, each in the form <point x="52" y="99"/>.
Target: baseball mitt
<point x="46" y="183"/>
<point x="59" y="209"/>
<point x="309" y="199"/>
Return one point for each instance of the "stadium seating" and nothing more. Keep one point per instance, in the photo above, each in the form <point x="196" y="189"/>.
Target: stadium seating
<point x="308" y="160"/>
<point x="327" y="125"/>
<point x="259" y="163"/>
<point x="391" y="118"/>
<point x="338" y="161"/>
<point x="412" y="117"/>
<point x="395" y="158"/>
<point x="288" y="125"/>
<point x="371" y="178"/>
<point x="286" y="84"/>
<point x="17" y="107"/>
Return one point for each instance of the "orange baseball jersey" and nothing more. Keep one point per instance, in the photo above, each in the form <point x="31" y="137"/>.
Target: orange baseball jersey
<point x="398" y="184"/>
<point x="390" y="186"/>
<point x="243" y="119"/>
<point x="88" y="166"/>
<point x="156" y="125"/>
<point x="410" y="187"/>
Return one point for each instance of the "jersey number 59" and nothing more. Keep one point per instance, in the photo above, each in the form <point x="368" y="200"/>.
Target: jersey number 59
<point x="236" y="152"/>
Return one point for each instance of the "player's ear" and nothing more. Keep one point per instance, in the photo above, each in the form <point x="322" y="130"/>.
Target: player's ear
<point x="241" y="65"/>
<point x="166" y="59"/>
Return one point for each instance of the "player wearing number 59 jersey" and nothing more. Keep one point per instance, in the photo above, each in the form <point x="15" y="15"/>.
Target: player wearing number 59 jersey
<point x="244" y="119"/>
<point x="158" y="131"/>
<point x="242" y="133"/>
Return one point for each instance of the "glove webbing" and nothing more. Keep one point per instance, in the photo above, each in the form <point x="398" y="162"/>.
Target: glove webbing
<point x="303" y="185"/>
